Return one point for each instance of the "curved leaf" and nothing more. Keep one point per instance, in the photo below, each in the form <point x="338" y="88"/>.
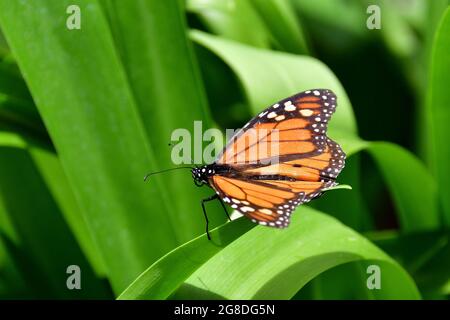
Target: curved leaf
<point x="236" y="20"/>
<point x="283" y="25"/>
<point x="162" y="278"/>
<point x="267" y="263"/>
<point x="412" y="186"/>
<point x="285" y="74"/>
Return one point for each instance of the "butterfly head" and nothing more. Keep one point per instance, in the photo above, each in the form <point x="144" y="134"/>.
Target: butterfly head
<point x="202" y="174"/>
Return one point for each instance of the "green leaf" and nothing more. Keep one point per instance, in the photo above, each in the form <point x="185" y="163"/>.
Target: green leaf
<point x="285" y="74"/>
<point x="92" y="118"/>
<point x="256" y="23"/>
<point x="339" y="186"/>
<point x="265" y="263"/>
<point x="12" y="283"/>
<point x="8" y="139"/>
<point x="268" y="263"/>
<point x="434" y="274"/>
<point x="416" y="207"/>
<point x="169" y="95"/>
<point x="162" y="278"/>
<point x="333" y="284"/>
<point x="49" y="167"/>
<point x="55" y="179"/>
<point x="402" y="40"/>
<point x="17" y="109"/>
<point x="325" y="12"/>
<point x="439" y="111"/>
<point x="232" y="19"/>
<point x="434" y="13"/>
<point x="285" y="29"/>
<point x="425" y="255"/>
<point x="347" y="206"/>
<point x="396" y="32"/>
<point x="412" y="186"/>
<point x="33" y="222"/>
<point x="11" y="82"/>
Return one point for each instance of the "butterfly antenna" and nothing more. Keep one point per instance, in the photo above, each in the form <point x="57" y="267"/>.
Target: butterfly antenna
<point x="165" y="170"/>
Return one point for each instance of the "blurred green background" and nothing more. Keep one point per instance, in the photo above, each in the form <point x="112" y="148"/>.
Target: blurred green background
<point x="85" y="113"/>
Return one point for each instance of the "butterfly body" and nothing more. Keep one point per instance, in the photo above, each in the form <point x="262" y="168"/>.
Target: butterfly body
<point x="280" y="159"/>
<point x="202" y="175"/>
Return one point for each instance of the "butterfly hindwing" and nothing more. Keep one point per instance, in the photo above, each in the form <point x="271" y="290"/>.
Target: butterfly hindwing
<point x="261" y="202"/>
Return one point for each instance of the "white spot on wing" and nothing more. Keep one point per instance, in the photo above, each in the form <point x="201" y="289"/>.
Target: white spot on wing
<point x="289" y="108"/>
<point x="272" y="115"/>
<point x="306" y="112"/>
<point x="266" y="211"/>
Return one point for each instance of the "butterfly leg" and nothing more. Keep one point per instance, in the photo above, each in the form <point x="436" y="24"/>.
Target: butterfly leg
<point x="224" y="208"/>
<point x="204" y="212"/>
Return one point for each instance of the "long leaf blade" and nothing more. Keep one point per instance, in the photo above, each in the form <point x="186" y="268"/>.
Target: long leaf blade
<point x="93" y="120"/>
<point x="439" y="110"/>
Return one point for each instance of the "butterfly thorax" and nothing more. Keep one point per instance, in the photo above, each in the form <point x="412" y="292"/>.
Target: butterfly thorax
<point x="202" y="174"/>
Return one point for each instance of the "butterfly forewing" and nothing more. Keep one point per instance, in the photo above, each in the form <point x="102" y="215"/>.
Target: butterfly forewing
<point x="281" y="158"/>
<point x="294" y="126"/>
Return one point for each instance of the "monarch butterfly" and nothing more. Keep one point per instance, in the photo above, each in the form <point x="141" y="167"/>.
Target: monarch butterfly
<point x="301" y="164"/>
<point x="304" y="164"/>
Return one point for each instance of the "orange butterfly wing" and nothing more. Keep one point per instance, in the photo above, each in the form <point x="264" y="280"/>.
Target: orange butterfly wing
<point x="283" y="158"/>
<point x="294" y="126"/>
